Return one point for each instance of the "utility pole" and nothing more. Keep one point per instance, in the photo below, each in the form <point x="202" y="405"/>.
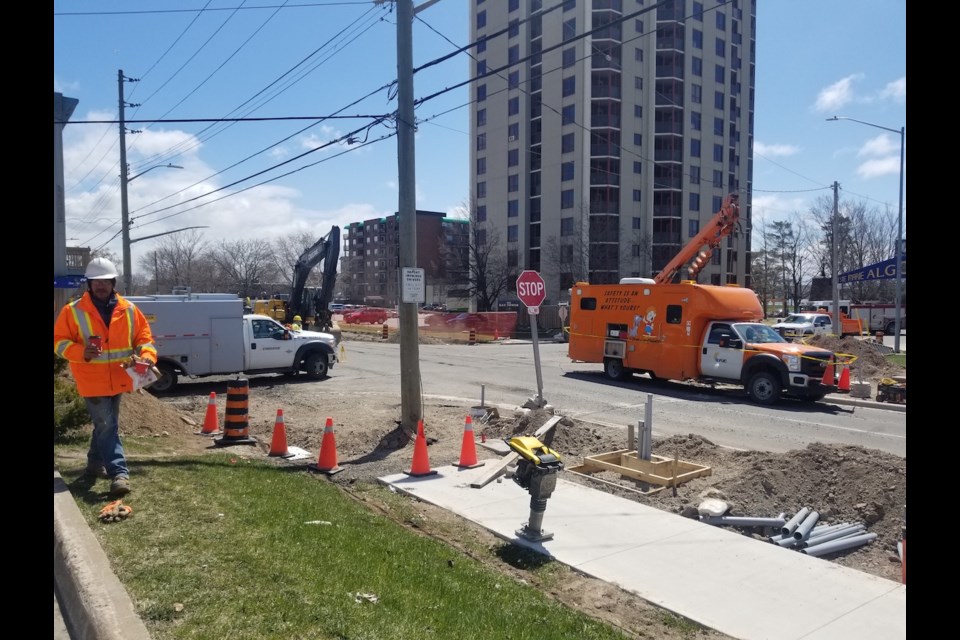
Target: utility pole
<point x="124" y="207"/>
<point x="837" y="327"/>
<point x="410" y="400"/>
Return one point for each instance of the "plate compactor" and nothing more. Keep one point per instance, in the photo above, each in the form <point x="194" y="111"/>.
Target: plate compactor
<point x="537" y="469"/>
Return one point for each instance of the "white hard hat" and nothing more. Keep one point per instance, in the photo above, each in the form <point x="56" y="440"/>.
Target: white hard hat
<point x="100" y="269"/>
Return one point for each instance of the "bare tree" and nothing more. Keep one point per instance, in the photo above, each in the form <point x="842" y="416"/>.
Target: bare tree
<point x="788" y="242"/>
<point x="180" y="260"/>
<point x="287" y="250"/>
<point x="765" y="268"/>
<point x="488" y="275"/>
<point x="245" y="264"/>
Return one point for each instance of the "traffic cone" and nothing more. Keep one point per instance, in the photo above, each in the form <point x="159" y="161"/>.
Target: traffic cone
<point x="278" y="447"/>
<point x="468" y="450"/>
<point x="828" y="375"/>
<point x="844" y="384"/>
<point x="496" y="332"/>
<point x="327" y="462"/>
<point x="211" y="425"/>
<point x="421" y="461"/>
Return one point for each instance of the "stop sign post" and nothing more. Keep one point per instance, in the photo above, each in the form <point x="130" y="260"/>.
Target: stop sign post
<point x="532" y="291"/>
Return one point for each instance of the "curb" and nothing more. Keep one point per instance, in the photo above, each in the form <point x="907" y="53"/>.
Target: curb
<point x="95" y="604"/>
<point x="859" y="402"/>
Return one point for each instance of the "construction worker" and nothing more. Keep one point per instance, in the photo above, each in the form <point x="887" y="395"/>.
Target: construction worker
<point x="296" y="326"/>
<point x="99" y="334"/>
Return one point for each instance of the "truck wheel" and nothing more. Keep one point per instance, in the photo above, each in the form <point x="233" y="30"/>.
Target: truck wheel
<point x="891" y="328"/>
<point x="614" y="369"/>
<point x="167" y="380"/>
<point x="764" y="388"/>
<point x="316" y="365"/>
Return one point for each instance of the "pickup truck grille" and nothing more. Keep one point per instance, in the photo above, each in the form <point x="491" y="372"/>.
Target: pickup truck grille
<point x="815" y="362"/>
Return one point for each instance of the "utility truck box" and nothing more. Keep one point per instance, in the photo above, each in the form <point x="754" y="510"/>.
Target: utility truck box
<point x="688" y="331"/>
<point x="206" y="334"/>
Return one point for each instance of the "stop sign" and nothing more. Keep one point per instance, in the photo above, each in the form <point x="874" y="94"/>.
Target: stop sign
<point x="531" y="289"/>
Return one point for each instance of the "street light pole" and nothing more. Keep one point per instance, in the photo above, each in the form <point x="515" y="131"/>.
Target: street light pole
<point x="898" y="252"/>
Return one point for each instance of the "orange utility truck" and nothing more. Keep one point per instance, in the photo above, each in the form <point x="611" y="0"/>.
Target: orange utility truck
<point x="690" y="331"/>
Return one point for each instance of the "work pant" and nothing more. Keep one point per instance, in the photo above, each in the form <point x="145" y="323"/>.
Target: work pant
<point x="106" y="450"/>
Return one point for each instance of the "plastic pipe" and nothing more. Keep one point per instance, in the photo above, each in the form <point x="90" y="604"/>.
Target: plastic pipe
<point x="738" y="521"/>
<point x="842" y="544"/>
<point x="852" y="530"/>
<point x="792" y="523"/>
<point x="803" y="529"/>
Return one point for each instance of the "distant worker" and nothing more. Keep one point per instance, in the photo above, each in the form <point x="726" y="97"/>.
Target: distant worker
<point x="98" y="335"/>
<point x="751" y="334"/>
<point x="296" y="326"/>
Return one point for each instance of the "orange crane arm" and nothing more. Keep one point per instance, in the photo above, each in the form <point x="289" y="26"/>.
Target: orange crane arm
<point x="701" y="246"/>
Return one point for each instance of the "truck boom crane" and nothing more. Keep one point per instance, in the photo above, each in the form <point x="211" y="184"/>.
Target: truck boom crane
<point x="326" y="249"/>
<point x="702" y="246"/>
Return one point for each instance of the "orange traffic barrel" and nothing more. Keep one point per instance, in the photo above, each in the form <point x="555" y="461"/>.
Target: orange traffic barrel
<point x="236" y="426"/>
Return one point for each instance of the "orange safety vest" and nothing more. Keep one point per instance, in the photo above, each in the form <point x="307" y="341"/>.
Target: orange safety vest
<point x="129" y="334"/>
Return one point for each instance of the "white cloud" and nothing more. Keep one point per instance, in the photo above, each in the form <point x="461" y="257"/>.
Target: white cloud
<point x="775" y="150"/>
<point x="896" y="90"/>
<point x="879" y="167"/>
<point x="837" y="95"/>
<point x="881" y="145"/>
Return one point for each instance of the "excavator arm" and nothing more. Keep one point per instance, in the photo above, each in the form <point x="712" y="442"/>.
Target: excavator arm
<point x="702" y="246"/>
<point x="326" y="249"/>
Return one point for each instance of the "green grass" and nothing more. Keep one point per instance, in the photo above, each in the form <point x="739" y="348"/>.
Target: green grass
<point x="222" y="547"/>
<point x="899" y="359"/>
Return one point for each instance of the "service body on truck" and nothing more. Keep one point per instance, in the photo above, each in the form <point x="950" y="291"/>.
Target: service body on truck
<point x="688" y="331"/>
<point x="208" y="334"/>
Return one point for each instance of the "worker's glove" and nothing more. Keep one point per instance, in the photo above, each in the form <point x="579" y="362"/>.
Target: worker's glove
<point x="115" y="511"/>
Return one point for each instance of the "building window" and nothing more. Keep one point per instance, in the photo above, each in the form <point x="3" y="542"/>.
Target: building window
<point x="513" y="80"/>
<point x="638" y="25"/>
<point x="638" y="54"/>
<point x="481" y="93"/>
<point x="482" y="213"/>
<point x="512" y="259"/>
<point x="694" y="202"/>
<point x="696" y="66"/>
<point x="569" y="57"/>
<point x="720" y="48"/>
<point x="513" y="106"/>
<point x="718" y="153"/>
<point x="481" y="237"/>
<point x="513" y="208"/>
<point x="636" y="223"/>
<point x="569" y="5"/>
<point x="481" y="117"/>
<point x="569" y="86"/>
<point x="721" y="21"/>
<point x="635" y="250"/>
<point x="696" y="94"/>
<point x="717" y="182"/>
<point x="481" y="141"/>
<point x="569" y="114"/>
<point x="694" y="148"/>
<point x="481" y="189"/>
<point x="482" y="44"/>
<point x="569" y="29"/>
<point x="513" y="54"/>
<point x="514" y="29"/>
<point x="636" y="195"/>
<point x="566" y="226"/>
<point x="512" y="233"/>
<point x="693" y="228"/>
<point x="638" y="139"/>
<point x="720" y="74"/>
<point x="513" y="183"/>
<point x="566" y="253"/>
<point x="513" y="157"/>
<point x="637" y="166"/>
<point x="567" y="143"/>
<point x="481" y="166"/>
<point x="694" y="175"/>
<point x="697" y="39"/>
<point x="717" y="203"/>
<point x="638" y="83"/>
<point x="566" y="199"/>
<point x="695" y="120"/>
<point x="481" y="67"/>
<point x="698" y="11"/>
<point x="513" y="131"/>
<point x="481" y="19"/>
<point x="638" y="111"/>
<point x="566" y="171"/>
<point x="513" y="5"/>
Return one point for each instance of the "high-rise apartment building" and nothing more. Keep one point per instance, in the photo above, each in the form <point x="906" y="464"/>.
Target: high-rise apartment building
<point x="606" y="132"/>
<point x="370" y="262"/>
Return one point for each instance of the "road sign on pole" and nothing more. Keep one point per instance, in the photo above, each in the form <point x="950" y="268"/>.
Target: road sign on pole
<point x="532" y="291"/>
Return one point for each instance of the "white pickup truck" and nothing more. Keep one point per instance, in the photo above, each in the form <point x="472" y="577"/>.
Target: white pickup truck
<point x="206" y="334"/>
<point x="804" y="325"/>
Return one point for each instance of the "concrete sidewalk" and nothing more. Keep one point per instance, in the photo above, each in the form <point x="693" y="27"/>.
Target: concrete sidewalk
<point x="745" y="588"/>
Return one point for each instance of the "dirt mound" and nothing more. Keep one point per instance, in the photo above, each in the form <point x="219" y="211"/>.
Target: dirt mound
<point x="870" y="361"/>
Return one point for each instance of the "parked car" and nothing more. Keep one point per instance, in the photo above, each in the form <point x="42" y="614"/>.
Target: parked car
<point x="467" y="321"/>
<point x="370" y="315"/>
<point x="804" y="325"/>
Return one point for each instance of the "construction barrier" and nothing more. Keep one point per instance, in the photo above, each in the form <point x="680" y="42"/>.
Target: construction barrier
<point x="421" y="460"/>
<point x="236" y="427"/>
<point x="211" y="423"/>
<point x="386" y="331"/>
<point x="327" y="460"/>
<point x="473" y="336"/>
<point x="278" y="445"/>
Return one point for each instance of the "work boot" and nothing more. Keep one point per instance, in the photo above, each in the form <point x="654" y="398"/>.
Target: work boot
<point x="96" y="472"/>
<point x="120" y="486"/>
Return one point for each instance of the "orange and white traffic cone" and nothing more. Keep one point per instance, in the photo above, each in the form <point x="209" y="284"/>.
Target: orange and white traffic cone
<point x="468" y="450"/>
<point x="844" y="385"/>
<point x="421" y="460"/>
<point x="828" y="375"/>
<point x="278" y="446"/>
<point x="327" y="461"/>
<point x="211" y="424"/>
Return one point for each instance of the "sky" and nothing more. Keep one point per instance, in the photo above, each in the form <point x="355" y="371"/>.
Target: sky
<point x="326" y="68"/>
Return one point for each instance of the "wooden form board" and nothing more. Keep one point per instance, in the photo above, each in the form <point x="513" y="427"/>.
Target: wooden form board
<point x="500" y="467"/>
<point x="666" y="472"/>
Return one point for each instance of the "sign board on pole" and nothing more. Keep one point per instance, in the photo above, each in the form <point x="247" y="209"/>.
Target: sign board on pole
<point x="531" y="290"/>
<point x="413" y="286"/>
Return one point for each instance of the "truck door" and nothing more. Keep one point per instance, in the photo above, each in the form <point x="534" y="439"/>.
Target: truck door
<point x="722" y="353"/>
<point x="268" y="348"/>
